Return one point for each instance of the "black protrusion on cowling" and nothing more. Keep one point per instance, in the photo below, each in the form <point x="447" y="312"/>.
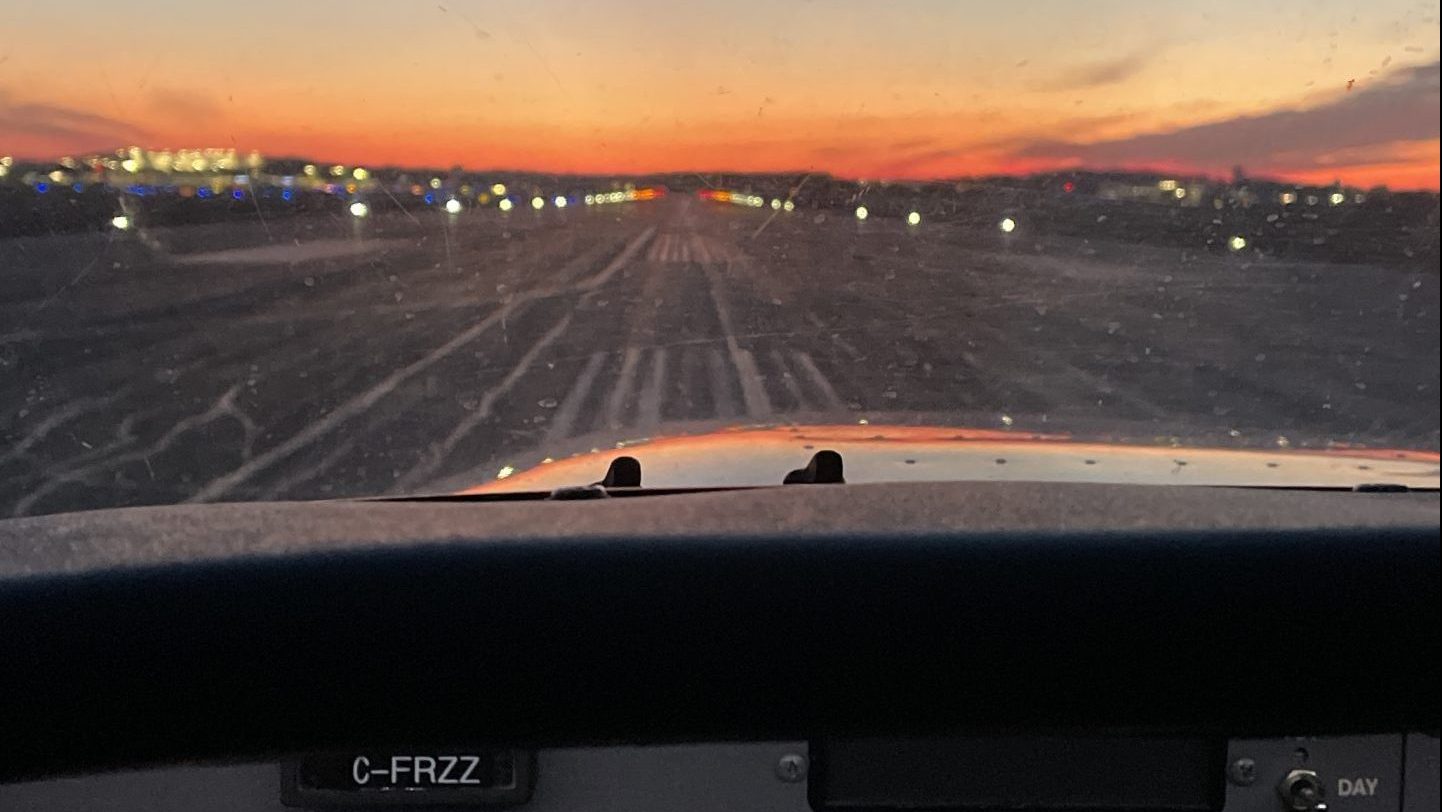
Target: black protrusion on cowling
<point x="824" y="469"/>
<point x="625" y="472"/>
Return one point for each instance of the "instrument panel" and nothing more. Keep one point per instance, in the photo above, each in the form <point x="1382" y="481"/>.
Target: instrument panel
<point x="1342" y="774"/>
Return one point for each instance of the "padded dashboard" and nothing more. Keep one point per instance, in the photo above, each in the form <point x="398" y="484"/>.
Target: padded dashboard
<point x="244" y="632"/>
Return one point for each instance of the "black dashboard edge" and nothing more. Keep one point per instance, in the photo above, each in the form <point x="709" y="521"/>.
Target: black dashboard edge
<point x="556" y="641"/>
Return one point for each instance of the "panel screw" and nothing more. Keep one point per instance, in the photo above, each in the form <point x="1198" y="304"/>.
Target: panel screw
<point x="791" y="768"/>
<point x="1243" y="772"/>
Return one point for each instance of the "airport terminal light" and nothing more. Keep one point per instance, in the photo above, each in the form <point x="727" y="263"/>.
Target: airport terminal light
<point x="1180" y="193"/>
<point x="913" y="219"/>
<point x="1237" y="243"/>
<point x="788" y="206"/>
<point x="590" y="200"/>
<point x="498" y="189"/>
<point x="435" y="183"/>
<point x="775" y="204"/>
<point x="506" y="204"/>
<point x="309" y="170"/>
<point x="1008" y="225"/>
<point x="1337" y="199"/>
<point x="453" y="206"/>
<point x="360" y="174"/>
<point x="560" y="201"/>
<point x="1288" y="198"/>
<point x="359" y="209"/>
<point x="862" y="213"/>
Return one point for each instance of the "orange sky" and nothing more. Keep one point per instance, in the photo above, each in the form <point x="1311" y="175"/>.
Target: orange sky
<point x="884" y="88"/>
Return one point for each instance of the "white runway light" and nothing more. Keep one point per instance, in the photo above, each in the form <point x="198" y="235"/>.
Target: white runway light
<point x="453" y="206"/>
<point x="506" y="204"/>
<point x="120" y="222"/>
<point x="359" y="209"/>
<point x="1008" y="225"/>
<point x="538" y="203"/>
<point x="913" y="219"/>
<point x="862" y="213"/>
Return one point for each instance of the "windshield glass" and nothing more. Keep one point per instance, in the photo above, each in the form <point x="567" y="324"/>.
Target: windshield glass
<point x="331" y="249"/>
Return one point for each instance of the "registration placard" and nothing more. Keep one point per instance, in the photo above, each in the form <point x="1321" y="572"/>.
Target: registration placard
<point x="411" y="777"/>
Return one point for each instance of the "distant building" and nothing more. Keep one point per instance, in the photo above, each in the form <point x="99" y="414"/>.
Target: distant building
<point x="1170" y="191"/>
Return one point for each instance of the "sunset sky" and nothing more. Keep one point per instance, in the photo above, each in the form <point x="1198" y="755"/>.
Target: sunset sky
<point x="881" y="88"/>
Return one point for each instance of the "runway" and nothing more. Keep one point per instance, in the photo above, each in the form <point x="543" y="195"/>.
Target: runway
<point x="331" y="356"/>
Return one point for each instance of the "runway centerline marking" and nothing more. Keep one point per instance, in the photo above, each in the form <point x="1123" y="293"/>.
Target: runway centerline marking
<point x="565" y="418"/>
<point x="753" y="393"/>
<point x="621" y="391"/>
<point x="829" y="399"/>
<point x="793" y="387"/>
<point x="648" y="407"/>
